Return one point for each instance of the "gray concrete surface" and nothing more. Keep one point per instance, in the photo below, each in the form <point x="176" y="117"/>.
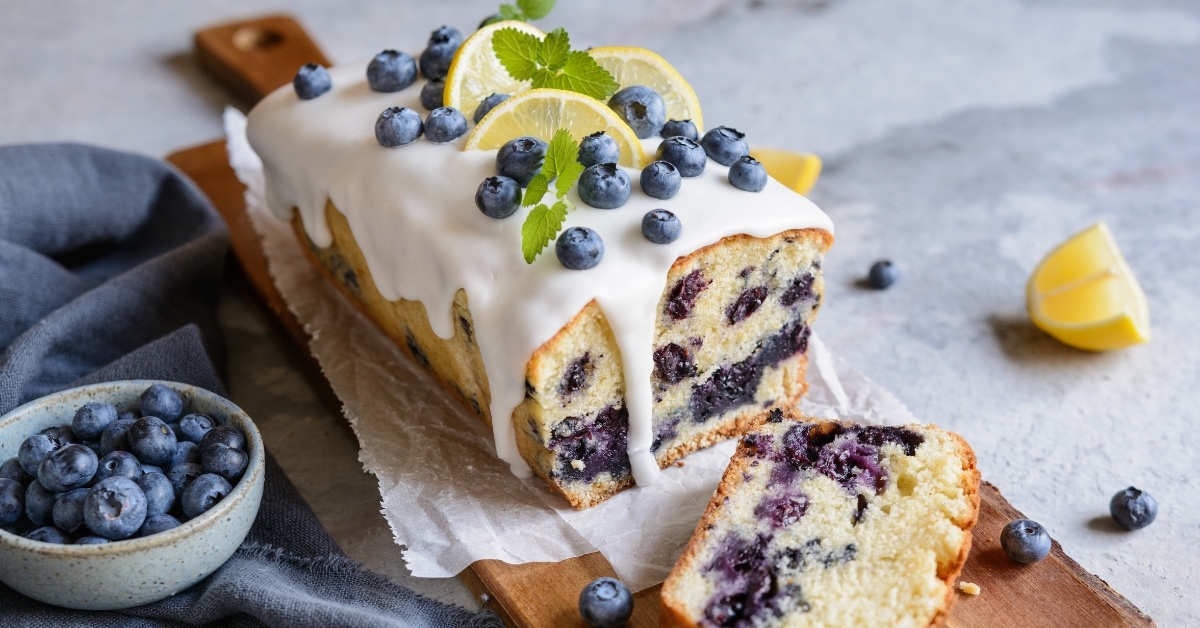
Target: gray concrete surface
<point x="962" y="141"/>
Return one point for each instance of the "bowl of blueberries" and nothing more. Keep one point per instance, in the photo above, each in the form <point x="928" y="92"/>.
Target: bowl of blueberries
<point x="124" y="493"/>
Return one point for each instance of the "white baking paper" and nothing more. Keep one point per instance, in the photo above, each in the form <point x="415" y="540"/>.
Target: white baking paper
<point x="445" y="495"/>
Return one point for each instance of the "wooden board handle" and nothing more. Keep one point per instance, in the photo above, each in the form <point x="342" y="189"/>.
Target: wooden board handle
<point x="253" y="57"/>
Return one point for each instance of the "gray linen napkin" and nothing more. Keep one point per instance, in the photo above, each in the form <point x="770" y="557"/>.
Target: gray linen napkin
<point x="110" y="266"/>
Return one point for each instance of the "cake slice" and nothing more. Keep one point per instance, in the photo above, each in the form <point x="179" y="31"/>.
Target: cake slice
<point x="822" y="523"/>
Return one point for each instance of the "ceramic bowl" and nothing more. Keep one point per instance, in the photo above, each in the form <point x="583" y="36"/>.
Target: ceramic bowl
<point x="137" y="571"/>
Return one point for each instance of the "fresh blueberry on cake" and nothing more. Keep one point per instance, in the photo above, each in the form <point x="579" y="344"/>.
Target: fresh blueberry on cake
<point x="398" y="126"/>
<point x="487" y="105"/>
<point x="431" y="93"/>
<point x="579" y="248"/>
<point x="661" y="180"/>
<point x="436" y="58"/>
<point x="748" y="174"/>
<point x="598" y="148"/>
<point x="498" y="197"/>
<point x="822" y="523"/>
<point x="725" y="145"/>
<point x="391" y="71"/>
<point x="685" y="153"/>
<point x="445" y="124"/>
<point x="521" y="159"/>
<point x="685" y="128"/>
<point x="641" y="108"/>
<point x="661" y="226"/>
<point x="311" y="81"/>
<point x="604" y="186"/>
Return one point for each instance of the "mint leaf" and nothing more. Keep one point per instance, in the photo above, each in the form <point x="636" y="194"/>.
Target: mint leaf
<point x="567" y="177"/>
<point x="509" y="12"/>
<point x="582" y="74"/>
<point x="540" y="227"/>
<point x="518" y="52"/>
<point x="562" y="161"/>
<point x="536" y="189"/>
<point x="536" y="9"/>
<point x="556" y="48"/>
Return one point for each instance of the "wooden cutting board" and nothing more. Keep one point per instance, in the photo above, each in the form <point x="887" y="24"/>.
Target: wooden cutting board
<point x="254" y="57"/>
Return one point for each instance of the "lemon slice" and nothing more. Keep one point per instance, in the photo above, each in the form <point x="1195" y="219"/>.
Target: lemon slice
<point x="475" y="72"/>
<point x="541" y="112"/>
<point x="1084" y="294"/>
<point x="638" y="66"/>
<point x="798" y="171"/>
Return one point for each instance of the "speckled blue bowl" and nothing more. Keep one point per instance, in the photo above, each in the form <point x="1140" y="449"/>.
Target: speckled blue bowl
<point x="136" y="571"/>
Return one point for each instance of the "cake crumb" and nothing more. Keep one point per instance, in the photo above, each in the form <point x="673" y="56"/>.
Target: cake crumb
<point x="679" y="464"/>
<point x="577" y="465"/>
<point x="970" y="588"/>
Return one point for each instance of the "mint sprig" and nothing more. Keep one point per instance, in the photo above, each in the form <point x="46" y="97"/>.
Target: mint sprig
<point x="526" y="10"/>
<point x="561" y="166"/>
<point x="550" y="62"/>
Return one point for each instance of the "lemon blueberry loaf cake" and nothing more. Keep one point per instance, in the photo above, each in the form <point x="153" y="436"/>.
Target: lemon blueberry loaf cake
<point x="821" y="523"/>
<point x="677" y="299"/>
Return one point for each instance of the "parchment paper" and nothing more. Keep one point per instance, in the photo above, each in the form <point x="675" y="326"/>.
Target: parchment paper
<point x="445" y="495"/>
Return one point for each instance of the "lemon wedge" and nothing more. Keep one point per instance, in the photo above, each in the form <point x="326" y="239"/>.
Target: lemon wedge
<point x="475" y="72"/>
<point x="1084" y="294"/>
<point x="638" y="66"/>
<point x="541" y="112"/>
<point x="798" y="171"/>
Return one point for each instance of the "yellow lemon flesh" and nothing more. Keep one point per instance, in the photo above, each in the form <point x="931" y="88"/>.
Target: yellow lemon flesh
<point x="542" y="112"/>
<point x="638" y="66"/>
<point x="1084" y="294"/>
<point x="798" y="171"/>
<point x="475" y="72"/>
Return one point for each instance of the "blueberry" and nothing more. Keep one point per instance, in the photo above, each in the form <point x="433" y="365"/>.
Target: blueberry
<point x="224" y="461"/>
<point x="227" y="434"/>
<point x="605" y="603"/>
<point x="182" y="475"/>
<point x="724" y="145"/>
<point x="397" y="126"/>
<point x="91" y="540"/>
<point x="498" y="197"/>
<point x="67" y="468"/>
<point x="748" y="174"/>
<point x="185" y="451"/>
<point x="676" y="128"/>
<point x="61" y="435"/>
<point x="33" y="450"/>
<point x="521" y="159"/>
<point x="661" y="180"/>
<point x="444" y="124"/>
<point x="162" y="402"/>
<point x="12" y="501"/>
<point x="311" y="81"/>
<point x="882" y="275"/>
<point x="661" y="226"/>
<point x="158" y="523"/>
<point x="686" y="154"/>
<point x="152" y="441"/>
<point x="1025" y="541"/>
<point x="203" y="493"/>
<point x="432" y="93"/>
<point x="160" y="494"/>
<point x="115" y="508"/>
<point x="1133" y="509"/>
<point x="120" y="463"/>
<point x="391" y="71"/>
<point x="39" y="503"/>
<point x="12" y="470"/>
<point x="436" y="58"/>
<point x="641" y="108"/>
<point x="91" y="419"/>
<point x="604" y="186"/>
<point x="193" y="427"/>
<point x="49" y="534"/>
<point x="598" y="148"/>
<point x="487" y="105"/>
<point x="68" y="510"/>
<point x="116" y="436"/>
<point x="579" y="248"/>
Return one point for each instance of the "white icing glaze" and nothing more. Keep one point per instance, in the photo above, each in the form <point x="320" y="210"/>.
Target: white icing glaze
<point x="412" y="212"/>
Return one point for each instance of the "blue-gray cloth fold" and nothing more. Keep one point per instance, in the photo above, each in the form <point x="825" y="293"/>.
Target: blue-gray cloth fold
<point x="110" y="268"/>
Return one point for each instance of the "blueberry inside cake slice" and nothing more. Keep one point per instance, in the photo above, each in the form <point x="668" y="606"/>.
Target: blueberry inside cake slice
<point x="821" y="523"/>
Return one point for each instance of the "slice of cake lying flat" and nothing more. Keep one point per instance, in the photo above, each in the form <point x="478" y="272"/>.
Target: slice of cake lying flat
<point x="593" y="379"/>
<point x="820" y="523"/>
